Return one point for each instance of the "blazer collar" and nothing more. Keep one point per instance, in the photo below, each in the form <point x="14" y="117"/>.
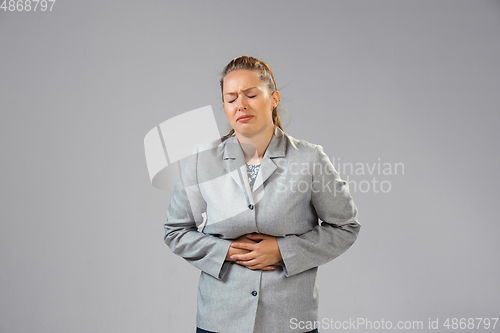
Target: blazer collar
<point x="235" y="161"/>
<point x="276" y="148"/>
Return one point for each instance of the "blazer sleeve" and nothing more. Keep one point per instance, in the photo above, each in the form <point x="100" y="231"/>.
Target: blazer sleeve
<point x="203" y="251"/>
<point x="334" y="206"/>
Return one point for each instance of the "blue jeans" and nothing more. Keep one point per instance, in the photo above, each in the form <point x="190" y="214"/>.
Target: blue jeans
<point x="199" y="330"/>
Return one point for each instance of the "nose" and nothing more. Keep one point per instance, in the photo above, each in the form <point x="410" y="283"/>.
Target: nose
<point x="241" y="103"/>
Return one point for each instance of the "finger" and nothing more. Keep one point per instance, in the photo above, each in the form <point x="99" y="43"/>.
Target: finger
<point x="254" y="263"/>
<point x="243" y="257"/>
<point x="268" y="268"/>
<point x="240" y="251"/>
<point x="245" y="246"/>
<point x="257" y="266"/>
<point x="251" y="262"/>
<point x="256" y="236"/>
<point x="242" y="263"/>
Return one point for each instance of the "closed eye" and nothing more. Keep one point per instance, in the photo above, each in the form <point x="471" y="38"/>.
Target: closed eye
<point x="248" y="97"/>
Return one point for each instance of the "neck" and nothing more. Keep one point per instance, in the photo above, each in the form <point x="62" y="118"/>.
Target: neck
<point x="254" y="147"/>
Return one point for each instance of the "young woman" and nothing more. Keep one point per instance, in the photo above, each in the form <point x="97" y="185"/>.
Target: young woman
<point x="276" y="209"/>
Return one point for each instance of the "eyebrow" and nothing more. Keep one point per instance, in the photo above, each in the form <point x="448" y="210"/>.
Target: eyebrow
<point x="233" y="93"/>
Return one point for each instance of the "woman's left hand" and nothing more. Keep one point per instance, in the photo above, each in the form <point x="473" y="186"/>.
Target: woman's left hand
<point x="264" y="253"/>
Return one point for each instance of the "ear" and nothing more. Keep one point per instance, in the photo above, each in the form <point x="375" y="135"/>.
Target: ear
<point x="276" y="97"/>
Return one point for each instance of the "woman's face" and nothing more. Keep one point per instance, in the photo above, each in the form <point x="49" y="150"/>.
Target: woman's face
<point x="247" y="103"/>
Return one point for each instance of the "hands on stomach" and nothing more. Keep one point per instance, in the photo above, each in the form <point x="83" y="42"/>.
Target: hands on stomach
<point x="255" y="251"/>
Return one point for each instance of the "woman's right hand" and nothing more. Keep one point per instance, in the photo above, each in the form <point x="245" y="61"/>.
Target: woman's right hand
<point x="245" y="239"/>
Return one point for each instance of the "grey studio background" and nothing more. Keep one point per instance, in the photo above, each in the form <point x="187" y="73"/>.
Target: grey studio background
<point x="381" y="83"/>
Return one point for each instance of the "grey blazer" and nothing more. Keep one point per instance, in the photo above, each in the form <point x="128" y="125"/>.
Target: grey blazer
<point x="213" y="204"/>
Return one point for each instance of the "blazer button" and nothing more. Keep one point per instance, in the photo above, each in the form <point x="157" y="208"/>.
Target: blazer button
<point x="250" y="206"/>
<point x="254" y="293"/>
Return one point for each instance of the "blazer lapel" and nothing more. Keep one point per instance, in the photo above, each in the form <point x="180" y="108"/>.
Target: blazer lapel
<point x="235" y="161"/>
<point x="275" y="149"/>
